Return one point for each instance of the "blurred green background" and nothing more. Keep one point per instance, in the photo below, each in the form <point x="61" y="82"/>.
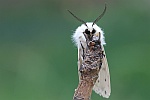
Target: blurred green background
<point x="38" y="60"/>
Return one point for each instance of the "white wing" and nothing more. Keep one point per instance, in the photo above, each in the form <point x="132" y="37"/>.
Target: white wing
<point x="80" y="59"/>
<point x="80" y="53"/>
<point x="102" y="85"/>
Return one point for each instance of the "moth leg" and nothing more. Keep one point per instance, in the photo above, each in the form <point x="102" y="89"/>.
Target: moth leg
<point x="102" y="51"/>
<point x="86" y="39"/>
<point x="85" y="36"/>
<point x="99" y="36"/>
<point x="83" y="50"/>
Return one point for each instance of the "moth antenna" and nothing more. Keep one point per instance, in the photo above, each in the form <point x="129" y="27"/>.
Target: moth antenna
<point x="99" y="17"/>
<point x="77" y="18"/>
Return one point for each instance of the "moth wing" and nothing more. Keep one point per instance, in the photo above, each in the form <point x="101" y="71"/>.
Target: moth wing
<point x="102" y="85"/>
<point x="80" y="59"/>
<point x="82" y="45"/>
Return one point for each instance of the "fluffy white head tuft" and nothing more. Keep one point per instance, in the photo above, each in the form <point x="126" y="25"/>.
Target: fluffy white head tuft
<point x="79" y="37"/>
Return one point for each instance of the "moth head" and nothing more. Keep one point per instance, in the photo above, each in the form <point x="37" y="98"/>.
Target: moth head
<point x="89" y="33"/>
<point x="89" y="30"/>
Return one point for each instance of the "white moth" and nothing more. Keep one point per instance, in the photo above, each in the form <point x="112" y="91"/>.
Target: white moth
<point x="102" y="85"/>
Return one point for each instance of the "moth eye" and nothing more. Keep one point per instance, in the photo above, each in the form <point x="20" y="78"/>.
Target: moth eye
<point x="93" y="31"/>
<point x="87" y="31"/>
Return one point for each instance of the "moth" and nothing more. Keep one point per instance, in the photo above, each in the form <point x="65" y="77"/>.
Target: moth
<point x="102" y="85"/>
